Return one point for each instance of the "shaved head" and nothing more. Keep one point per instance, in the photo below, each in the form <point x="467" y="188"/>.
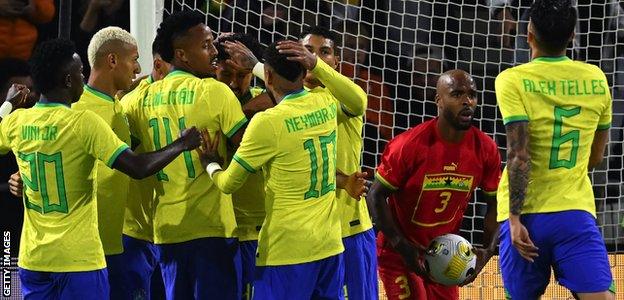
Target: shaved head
<point x="456" y="98"/>
<point x="448" y="78"/>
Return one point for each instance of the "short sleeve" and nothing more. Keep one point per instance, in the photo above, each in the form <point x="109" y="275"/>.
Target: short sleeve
<point x="392" y="170"/>
<point x="259" y="144"/>
<point x="491" y="167"/>
<point x="231" y="117"/>
<point x="605" y="117"/>
<point x="98" y="138"/>
<point x="508" y="98"/>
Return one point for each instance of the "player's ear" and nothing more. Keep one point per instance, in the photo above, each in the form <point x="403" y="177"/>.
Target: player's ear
<point x="112" y="59"/>
<point x="180" y="54"/>
<point x="437" y="99"/>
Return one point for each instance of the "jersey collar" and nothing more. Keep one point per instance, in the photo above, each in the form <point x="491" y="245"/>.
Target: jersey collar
<point x="551" y="58"/>
<point x="98" y="94"/>
<point x="50" y="104"/>
<point x="295" y="94"/>
<point x="175" y="73"/>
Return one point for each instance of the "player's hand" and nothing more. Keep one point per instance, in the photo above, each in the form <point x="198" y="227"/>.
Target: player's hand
<point x="414" y="257"/>
<point x="191" y="138"/>
<point x="483" y="257"/>
<point x="521" y="240"/>
<point x="17" y="95"/>
<point x="356" y="185"/>
<point x="297" y="52"/>
<point x="241" y="58"/>
<point x="15" y="184"/>
<point x="209" y="149"/>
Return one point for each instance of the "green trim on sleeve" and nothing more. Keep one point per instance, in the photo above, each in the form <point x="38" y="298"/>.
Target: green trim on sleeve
<point x="490" y="193"/>
<point x="603" y="126"/>
<point x="517" y="118"/>
<point x="385" y="182"/>
<point x="236" y="127"/>
<point x="116" y="154"/>
<point x="243" y="164"/>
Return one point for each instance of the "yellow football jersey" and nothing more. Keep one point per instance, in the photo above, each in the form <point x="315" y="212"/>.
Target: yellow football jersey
<point x="565" y="102"/>
<point x="295" y="145"/>
<point x="249" y="199"/>
<point x="112" y="185"/>
<point x="354" y="213"/>
<point x="138" y="221"/>
<point x="187" y="205"/>
<point x="56" y="148"/>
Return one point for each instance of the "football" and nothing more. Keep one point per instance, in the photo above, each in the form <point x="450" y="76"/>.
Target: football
<point x="449" y="260"/>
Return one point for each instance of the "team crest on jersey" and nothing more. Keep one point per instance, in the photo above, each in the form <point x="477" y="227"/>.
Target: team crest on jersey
<point x="447" y="181"/>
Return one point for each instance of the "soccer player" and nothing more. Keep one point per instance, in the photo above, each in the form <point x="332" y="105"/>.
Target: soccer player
<point x="141" y="276"/>
<point x="249" y="199"/>
<point x="557" y="113"/>
<point x="61" y="255"/>
<point x="358" y="235"/>
<point x="428" y="175"/>
<point x="299" y="248"/>
<point x="194" y="223"/>
<point x="112" y="56"/>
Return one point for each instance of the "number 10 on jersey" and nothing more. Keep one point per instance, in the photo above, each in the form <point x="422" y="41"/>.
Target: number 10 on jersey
<point x="327" y="172"/>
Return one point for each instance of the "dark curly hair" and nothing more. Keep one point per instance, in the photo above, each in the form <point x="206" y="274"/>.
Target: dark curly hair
<point x="173" y="27"/>
<point x="553" y="22"/>
<point x="250" y="42"/>
<point x="288" y="69"/>
<point x="48" y="64"/>
<point x="321" y="31"/>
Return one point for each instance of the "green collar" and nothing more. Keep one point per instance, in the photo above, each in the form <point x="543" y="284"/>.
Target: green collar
<point x="51" y="104"/>
<point x="99" y="94"/>
<point x="179" y="73"/>
<point x="551" y="58"/>
<point x="295" y="95"/>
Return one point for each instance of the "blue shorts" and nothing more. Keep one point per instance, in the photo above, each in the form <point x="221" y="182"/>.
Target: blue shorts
<point x="206" y="268"/>
<point x="248" y="256"/>
<point x="321" y="279"/>
<point x="360" y="259"/>
<point x="568" y="241"/>
<point x="130" y="273"/>
<point x="92" y="285"/>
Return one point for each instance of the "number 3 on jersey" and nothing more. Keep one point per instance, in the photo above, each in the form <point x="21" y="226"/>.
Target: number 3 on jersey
<point x="153" y="123"/>
<point x="326" y="186"/>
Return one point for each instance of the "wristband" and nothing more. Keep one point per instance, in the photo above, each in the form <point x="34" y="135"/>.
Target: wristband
<point x="5" y="109"/>
<point x="213" y="167"/>
<point x="258" y="70"/>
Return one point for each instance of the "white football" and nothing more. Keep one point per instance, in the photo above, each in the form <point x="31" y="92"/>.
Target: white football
<point x="450" y="260"/>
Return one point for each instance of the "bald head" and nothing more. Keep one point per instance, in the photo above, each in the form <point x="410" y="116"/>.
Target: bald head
<point x="456" y="98"/>
<point x="454" y="77"/>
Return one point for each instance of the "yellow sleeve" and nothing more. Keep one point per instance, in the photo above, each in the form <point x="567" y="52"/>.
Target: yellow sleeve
<point x="98" y="138"/>
<point x="508" y="98"/>
<point x="230" y="180"/>
<point x="129" y="103"/>
<point x="605" y="118"/>
<point x="259" y="144"/>
<point x="4" y="141"/>
<point x="350" y="95"/>
<point x="231" y="117"/>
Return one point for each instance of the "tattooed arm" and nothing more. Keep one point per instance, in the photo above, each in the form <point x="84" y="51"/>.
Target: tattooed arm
<point x="518" y="170"/>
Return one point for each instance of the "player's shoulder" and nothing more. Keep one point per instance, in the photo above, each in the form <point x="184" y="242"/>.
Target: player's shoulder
<point x="591" y="68"/>
<point x="415" y="136"/>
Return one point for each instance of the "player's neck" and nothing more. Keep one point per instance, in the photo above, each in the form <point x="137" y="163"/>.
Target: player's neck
<point x="56" y="96"/>
<point x="102" y="83"/>
<point x="536" y="52"/>
<point x="448" y="133"/>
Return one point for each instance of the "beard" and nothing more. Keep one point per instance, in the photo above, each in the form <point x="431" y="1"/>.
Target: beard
<point x="455" y="120"/>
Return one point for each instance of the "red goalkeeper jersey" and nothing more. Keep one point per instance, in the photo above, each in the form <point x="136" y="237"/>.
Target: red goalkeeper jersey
<point x="433" y="179"/>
